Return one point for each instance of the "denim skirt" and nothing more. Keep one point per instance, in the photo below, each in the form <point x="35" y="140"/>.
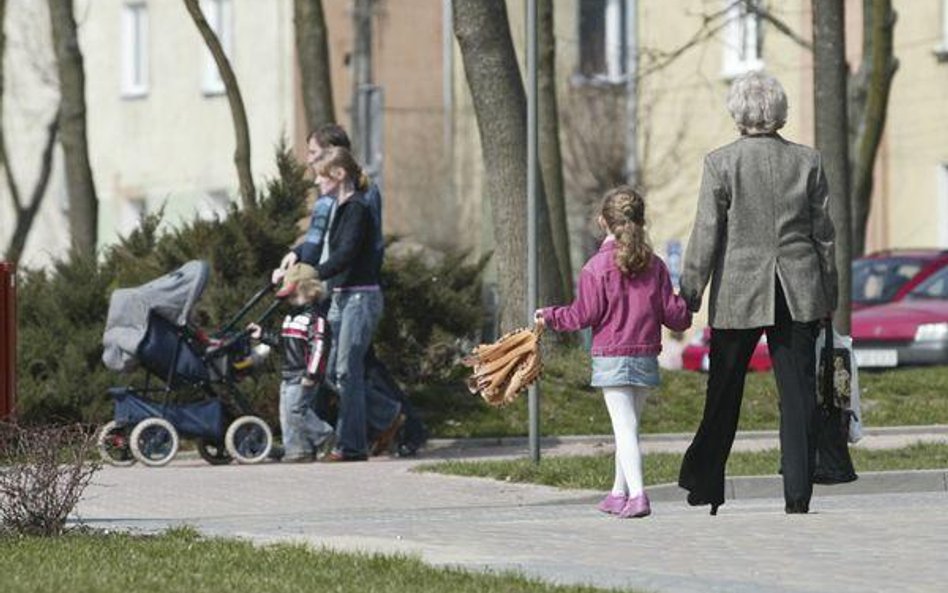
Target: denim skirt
<point x="619" y="371"/>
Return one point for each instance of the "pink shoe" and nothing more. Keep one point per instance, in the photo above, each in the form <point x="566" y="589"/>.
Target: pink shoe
<point x="636" y="507"/>
<point x="613" y="503"/>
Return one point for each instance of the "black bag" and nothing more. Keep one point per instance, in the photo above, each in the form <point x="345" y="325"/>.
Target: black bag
<point x="831" y="424"/>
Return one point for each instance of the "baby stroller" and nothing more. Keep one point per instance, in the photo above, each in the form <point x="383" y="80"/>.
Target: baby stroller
<point x="148" y="327"/>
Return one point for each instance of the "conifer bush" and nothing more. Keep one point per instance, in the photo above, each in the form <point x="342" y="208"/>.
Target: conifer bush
<point x="432" y="310"/>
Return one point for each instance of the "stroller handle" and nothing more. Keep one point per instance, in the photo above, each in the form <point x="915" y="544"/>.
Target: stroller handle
<point x="256" y="298"/>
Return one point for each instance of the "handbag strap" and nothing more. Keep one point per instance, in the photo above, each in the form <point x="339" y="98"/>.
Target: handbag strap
<point x="829" y="400"/>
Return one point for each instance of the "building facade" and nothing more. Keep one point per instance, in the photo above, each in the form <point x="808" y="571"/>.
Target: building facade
<point x="160" y="132"/>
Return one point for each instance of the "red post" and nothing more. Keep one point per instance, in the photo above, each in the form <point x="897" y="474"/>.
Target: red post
<point x="7" y="340"/>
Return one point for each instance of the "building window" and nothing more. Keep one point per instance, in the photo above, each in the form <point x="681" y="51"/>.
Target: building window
<point x="743" y="41"/>
<point x="219" y="16"/>
<point x="941" y="52"/>
<point x="134" y="49"/>
<point x="603" y="40"/>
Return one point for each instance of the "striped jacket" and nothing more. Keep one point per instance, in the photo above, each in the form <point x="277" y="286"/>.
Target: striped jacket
<point x="304" y="338"/>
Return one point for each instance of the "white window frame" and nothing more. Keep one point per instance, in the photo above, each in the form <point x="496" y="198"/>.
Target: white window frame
<point x="615" y="40"/>
<point x="942" y="188"/>
<point x="134" y="49"/>
<point x="220" y="17"/>
<point x="941" y="51"/>
<point x="742" y="33"/>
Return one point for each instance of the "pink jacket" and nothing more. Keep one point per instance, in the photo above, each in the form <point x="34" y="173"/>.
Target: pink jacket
<point x="626" y="313"/>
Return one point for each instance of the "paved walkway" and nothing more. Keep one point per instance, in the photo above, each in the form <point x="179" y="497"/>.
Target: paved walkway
<point x="857" y="543"/>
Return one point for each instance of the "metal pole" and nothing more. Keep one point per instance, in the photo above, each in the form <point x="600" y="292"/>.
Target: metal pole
<point x="7" y="341"/>
<point x="533" y="394"/>
<point x="361" y="75"/>
<point x="447" y="94"/>
<point x="631" y="92"/>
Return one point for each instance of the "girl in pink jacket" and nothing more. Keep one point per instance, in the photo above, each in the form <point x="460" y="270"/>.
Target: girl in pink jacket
<point x="625" y="295"/>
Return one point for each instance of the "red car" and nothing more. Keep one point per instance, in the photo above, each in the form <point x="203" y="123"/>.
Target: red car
<point x="887" y="276"/>
<point x="879" y="278"/>
<point x="695" y="355"/>
<point x="912" y="331"/>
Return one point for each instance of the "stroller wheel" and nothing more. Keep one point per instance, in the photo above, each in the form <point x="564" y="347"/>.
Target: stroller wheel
<point x="154" y="442"/>
<point x="248" y="439"/>
<point x="213" y="452"/>
<point x="113" y="445"/>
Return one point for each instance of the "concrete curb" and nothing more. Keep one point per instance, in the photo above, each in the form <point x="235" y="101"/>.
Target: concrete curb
<point x="746" y="435"/>
<point x="885" y="482"/>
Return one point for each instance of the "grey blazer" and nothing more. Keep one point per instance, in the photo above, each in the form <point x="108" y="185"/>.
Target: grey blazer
<point x="762" y="214"/>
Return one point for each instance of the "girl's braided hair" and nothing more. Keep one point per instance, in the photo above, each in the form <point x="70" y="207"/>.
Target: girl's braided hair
<point x="623" y="209"/>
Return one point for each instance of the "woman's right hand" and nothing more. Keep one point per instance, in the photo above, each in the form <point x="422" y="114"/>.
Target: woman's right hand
<point x="288" y="260"/>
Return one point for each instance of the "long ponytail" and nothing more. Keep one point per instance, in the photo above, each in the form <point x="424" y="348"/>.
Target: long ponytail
<point x="623" y="209"/>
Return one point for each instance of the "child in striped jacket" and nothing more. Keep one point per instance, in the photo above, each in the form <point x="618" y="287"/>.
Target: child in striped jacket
<point x="304" y="338"/>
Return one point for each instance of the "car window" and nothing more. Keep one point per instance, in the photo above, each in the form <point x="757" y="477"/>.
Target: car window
<point x="878" y="280"/>
<point x="934" y="287"/>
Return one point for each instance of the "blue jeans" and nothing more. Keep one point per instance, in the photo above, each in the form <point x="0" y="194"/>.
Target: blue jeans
<point x="353" y="316"/>
<point x="303" y="430"/>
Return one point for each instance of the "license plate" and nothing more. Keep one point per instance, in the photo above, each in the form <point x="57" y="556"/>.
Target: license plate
<point x="877" y="358"/>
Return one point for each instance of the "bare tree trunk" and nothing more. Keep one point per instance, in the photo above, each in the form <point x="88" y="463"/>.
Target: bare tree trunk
<point x="869" y="101"/>
<point x="312" y="51"/>
<point x="83" y="203"/>
<point x="551" y="161"/>
<point x="493" y="76"/>
<point x="239" y="115"/>
<point x="829" y="83"/>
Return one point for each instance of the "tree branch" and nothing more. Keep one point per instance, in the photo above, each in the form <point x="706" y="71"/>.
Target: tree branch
<point x="25" y="216"/>
<point x="237" y="111"/>
<point x="779" y="25"/>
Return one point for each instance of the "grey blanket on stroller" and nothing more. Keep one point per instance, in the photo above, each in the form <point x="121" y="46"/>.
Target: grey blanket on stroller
<point x="172" y="296"/>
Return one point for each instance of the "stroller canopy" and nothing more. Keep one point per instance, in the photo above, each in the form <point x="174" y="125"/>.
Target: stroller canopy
<point x="171" y="296"/>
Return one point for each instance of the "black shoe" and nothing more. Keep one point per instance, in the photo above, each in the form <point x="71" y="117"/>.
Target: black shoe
<point x="797" y="507"/>
<point x="276" y="453"/>
<point x="697" y="501"/>
<point x="408" y="449"/>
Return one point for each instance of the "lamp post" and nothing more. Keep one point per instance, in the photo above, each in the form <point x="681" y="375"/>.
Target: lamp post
<point x="533" y="394"/>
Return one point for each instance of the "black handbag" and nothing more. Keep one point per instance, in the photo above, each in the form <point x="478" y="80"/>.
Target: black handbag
<point x="834" y="465"/>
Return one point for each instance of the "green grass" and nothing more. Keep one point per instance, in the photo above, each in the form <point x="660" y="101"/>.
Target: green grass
<point x="596" y="471"/>
<point x="570" y="406"/>
<point x="180" y="560"/>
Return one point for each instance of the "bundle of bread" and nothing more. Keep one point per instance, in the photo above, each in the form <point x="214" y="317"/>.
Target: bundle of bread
<point x="504" y="369"/>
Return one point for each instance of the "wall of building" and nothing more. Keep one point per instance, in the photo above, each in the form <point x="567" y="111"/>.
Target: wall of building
<point x="407" y="64"/>
<point x="911" y="209"/>
<point x="170" y="147"/>
<point x="174" y="146"/>
<point x="29" y="103"/>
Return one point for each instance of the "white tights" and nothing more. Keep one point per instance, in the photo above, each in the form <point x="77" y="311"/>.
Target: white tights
<point x="625" y="405"/>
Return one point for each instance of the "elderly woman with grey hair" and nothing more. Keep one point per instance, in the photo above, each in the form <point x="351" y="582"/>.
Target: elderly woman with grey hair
<point x="763" y="237"/>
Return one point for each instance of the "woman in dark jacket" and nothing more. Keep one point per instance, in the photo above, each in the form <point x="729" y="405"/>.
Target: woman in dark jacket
<point x="763" y="238"/>
<point x="351" y="265"/>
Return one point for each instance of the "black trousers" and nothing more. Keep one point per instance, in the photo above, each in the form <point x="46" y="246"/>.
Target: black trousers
<point x="793" y="352"/>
